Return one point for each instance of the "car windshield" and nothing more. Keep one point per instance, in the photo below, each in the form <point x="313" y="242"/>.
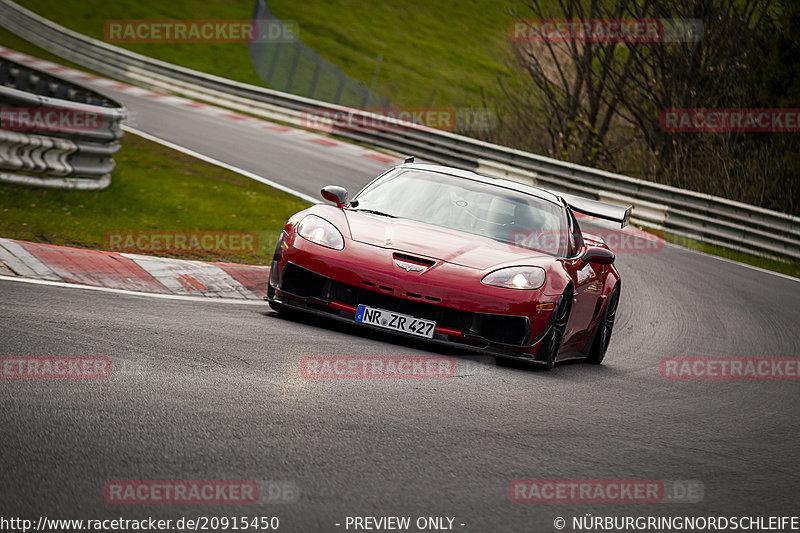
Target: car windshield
<point x="467" y="205"/>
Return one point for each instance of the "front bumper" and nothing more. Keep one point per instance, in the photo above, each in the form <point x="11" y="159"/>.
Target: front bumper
<point x="327" y="282"/>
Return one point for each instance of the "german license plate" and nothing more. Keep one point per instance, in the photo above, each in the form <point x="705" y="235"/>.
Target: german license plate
<point x="395" y="321"/>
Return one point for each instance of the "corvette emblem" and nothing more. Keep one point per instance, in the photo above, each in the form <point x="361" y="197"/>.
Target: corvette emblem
<point x="409" y="267"/>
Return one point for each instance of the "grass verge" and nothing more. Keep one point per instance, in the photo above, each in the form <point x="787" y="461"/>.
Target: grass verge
<point x="153" y="189"/>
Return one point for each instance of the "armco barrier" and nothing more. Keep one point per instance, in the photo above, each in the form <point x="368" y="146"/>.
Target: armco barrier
<point x="707" y="218"/>
<point x="54" y="133"/>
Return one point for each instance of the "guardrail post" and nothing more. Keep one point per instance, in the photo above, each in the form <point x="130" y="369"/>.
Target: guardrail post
<point x="293" y="68"/>
<point x="274" y="64"/>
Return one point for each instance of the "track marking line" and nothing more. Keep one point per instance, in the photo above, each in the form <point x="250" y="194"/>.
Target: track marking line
<point x="217" y="162"/>
<point x="732" y="262"/>
<point x="130" y="293"/>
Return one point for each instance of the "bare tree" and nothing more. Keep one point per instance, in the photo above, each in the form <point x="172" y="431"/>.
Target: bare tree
<point x="578" y="80"/>
<point x="581" y="94"/>
<point x="705" y="72"/>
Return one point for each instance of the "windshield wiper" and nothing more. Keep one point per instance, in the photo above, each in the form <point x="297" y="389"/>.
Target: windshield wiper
<point x="374" y="212"/>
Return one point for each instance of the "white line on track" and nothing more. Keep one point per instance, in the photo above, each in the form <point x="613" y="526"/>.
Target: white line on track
<point x="131" y="293"/>
<point x="610" y="225"/>
<point x="219" y="163"/>
<point x="732" y="262"/>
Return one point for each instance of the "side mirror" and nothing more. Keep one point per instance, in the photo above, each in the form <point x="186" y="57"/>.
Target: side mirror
<point x="335" y="194"/>
<point x="600" y="256"/>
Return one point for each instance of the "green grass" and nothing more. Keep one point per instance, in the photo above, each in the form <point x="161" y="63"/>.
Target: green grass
<point x="435" y="53"/>
<point x="153" y="188"/>
<point x="89" y="16"/>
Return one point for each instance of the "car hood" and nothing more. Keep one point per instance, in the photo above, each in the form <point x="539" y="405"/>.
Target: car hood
<point x="435" y="242"/>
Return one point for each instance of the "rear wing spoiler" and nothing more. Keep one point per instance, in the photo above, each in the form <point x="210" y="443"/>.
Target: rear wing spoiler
<point x="598" y="209"/>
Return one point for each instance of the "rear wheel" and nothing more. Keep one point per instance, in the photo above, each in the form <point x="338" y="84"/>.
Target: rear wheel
<point x="552" y="342"/>
<point x="606" y="326"/>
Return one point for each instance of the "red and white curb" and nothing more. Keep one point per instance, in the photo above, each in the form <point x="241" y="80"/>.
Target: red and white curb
<point x="132" y="272"/>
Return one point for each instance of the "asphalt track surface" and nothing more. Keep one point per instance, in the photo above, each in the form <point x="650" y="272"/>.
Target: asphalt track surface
<point x="212" y="391"/>
<point x="280" y="157"/>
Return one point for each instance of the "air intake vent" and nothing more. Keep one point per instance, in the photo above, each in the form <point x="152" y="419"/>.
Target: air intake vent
<point x="413" y="259"/>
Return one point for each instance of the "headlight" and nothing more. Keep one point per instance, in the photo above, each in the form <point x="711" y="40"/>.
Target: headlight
<point x="521" y="277"/>
<point x="320" y="231"/>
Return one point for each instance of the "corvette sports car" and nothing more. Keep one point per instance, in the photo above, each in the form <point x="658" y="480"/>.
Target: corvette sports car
<point x="454" y="257"/>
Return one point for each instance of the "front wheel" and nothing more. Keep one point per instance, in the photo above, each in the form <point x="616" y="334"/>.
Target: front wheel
<point x="606" y="325"/>
<point x="552" y="342"/>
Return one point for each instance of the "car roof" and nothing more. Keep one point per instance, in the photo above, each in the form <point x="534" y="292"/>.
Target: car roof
<point x="538" y="192"/>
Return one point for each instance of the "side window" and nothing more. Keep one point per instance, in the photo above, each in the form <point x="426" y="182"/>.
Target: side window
<point x="575" y="236"/>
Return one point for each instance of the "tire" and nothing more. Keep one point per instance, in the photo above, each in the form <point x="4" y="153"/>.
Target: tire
<point x="606" y="326"/>
<point x="551" y="344"/>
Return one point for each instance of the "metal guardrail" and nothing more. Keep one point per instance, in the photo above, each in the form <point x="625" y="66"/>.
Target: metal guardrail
<point x="54" y="133"/>
<point x="703" y="217"/>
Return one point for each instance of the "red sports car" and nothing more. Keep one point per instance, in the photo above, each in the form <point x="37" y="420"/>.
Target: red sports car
<point x="458" y="258"/>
